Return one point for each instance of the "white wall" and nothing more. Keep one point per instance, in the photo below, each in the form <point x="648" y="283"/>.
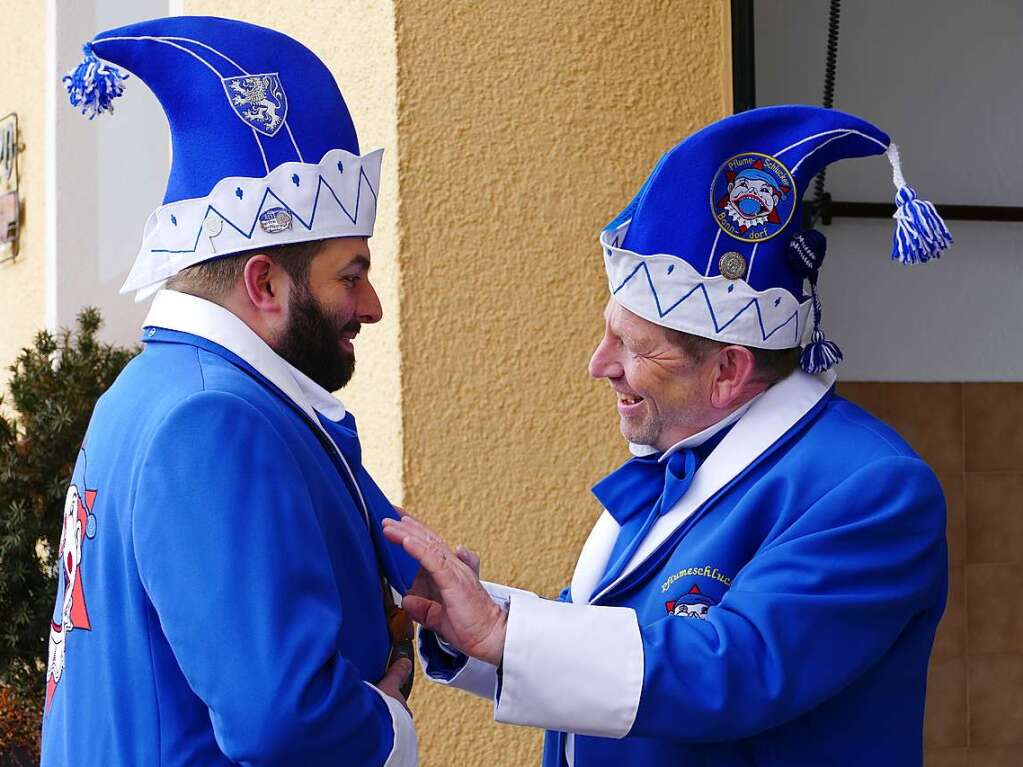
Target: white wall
<point x="942" y="78"/>
<point x="106" y="175"/>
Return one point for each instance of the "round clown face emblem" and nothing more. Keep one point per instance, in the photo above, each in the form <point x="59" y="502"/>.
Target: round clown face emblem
<point x="753" y="197"/>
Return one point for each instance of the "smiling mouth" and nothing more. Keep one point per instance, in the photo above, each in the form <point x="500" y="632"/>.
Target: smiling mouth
<point x="350" y="331"/>
<point x="629" y="399"/>
<point x="761" y="207"/>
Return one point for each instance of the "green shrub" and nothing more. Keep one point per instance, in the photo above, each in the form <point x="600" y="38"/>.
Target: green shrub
<point x="54" y="385"/>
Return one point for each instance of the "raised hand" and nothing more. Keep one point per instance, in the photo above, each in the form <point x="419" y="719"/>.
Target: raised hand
<point x="447" y="596"/>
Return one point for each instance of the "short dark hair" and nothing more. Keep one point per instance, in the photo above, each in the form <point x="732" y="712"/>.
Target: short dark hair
<point x="216" y="278"/>
<point x="770" y="365"/>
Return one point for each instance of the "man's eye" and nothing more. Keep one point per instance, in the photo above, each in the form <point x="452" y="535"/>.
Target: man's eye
<point x="350" y="279"/>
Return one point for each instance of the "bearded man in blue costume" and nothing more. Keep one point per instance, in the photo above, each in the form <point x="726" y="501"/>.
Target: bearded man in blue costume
<point x="764" y="583"/>
<point x="225" y="588"/>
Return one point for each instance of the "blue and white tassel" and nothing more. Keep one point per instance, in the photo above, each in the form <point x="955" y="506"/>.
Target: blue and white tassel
<point x="93" y="85"/>
<point x="806" y="254"/>
<point x="920" y="234"/>
<point x="820" y="354"/>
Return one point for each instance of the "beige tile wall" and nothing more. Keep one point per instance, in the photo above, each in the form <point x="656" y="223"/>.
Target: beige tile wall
<point x="972" y="435"/>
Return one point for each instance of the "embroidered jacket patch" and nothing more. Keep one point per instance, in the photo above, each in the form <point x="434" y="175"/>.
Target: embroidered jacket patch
<point x="70" y="611"/>
<point x="693" y="604"/>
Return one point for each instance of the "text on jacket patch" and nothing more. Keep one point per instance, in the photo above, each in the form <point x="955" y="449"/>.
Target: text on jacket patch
<point x="706" y="571"/>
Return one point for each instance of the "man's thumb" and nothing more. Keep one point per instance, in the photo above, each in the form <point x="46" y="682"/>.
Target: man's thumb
<point x="418" y="608"/>
<point x="399" y="671"/>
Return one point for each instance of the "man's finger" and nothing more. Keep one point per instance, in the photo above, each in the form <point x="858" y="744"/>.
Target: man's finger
<point x="423" y="611"/>
<point x="414" y="525"/>
<point x="438" y="560"/>
<point x="470" y="558"/>
<point x="399" y="532"/>
<point x="394" y="532"/>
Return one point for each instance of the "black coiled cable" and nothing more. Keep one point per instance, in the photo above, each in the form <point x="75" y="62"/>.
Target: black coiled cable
<point x="829" y="86"/>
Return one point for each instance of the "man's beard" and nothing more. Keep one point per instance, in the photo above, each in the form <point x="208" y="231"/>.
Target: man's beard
<point x="311" y="342"/>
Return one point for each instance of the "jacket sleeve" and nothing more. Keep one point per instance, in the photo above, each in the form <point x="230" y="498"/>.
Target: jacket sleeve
<point x="445" y="665"/>
<point x="232" y="558"/>
<point x="811" y="611"/>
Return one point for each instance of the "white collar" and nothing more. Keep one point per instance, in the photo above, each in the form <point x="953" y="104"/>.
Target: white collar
<point x="695" y="440"/>
<point x="173" y="310"/>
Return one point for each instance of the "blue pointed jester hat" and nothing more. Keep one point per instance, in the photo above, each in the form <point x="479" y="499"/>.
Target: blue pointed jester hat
<point x="712" y="243"/>
<point x="264" y="149"/>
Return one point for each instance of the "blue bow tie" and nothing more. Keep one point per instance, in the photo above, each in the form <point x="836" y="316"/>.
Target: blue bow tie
<point x="646" y="484"/>
<point x="637" y="494"/>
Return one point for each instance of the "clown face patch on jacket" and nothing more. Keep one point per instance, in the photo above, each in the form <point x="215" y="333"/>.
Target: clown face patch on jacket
<point x="693" y="604"/>
<point x="688" y="584"/>
<point x="70" y="611"/>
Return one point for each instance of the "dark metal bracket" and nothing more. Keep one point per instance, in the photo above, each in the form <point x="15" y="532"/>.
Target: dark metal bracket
<point x="826" y="209"/>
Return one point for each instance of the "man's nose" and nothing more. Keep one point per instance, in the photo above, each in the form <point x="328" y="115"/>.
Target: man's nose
<point x="603" y="363"/>
<point x="369" y="309"/>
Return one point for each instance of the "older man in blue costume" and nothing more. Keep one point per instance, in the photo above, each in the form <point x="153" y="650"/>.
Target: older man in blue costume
<point x="225" y="588"/>
<point x="764" y="583"/>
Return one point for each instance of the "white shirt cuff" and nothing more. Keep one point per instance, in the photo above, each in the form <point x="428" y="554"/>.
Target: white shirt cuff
<point x="573" y="668"/>
<point x="502" y="594"/>
<point x="405" y="748"/>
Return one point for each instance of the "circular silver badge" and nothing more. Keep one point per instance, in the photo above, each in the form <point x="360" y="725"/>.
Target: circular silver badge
<point x="275" y="220"/>
<point x="732" y="266"/>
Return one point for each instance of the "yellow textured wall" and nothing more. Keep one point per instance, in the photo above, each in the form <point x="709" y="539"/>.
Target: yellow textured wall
<point x="356" y="40"/>
<point x="523" y="128"/>
<point x="22" y="90"/>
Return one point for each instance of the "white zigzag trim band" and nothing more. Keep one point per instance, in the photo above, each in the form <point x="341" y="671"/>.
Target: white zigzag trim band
<point x="668" y="291"/>
<point x="295" y="202"/>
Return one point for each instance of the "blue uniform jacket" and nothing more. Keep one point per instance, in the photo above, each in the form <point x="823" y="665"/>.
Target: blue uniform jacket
<point x="786" y="621"/>
<point x="225" y="592"/>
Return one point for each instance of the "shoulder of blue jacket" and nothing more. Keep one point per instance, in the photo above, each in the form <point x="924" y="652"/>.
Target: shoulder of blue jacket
<point x="857" y="435"/>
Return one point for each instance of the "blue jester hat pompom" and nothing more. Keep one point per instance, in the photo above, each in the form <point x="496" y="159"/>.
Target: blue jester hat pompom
<point x="93" y="85"/>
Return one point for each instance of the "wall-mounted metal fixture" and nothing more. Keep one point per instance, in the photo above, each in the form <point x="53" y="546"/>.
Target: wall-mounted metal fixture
<point x="10" y="200"/>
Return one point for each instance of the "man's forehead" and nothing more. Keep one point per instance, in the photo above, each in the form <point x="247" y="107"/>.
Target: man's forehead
<point x="347" y="251"/>
<point x="620" y="318"/>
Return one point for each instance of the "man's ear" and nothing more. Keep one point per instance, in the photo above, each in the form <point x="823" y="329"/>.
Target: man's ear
<point x="264" y="284"/>
<point x="733" y="372"/>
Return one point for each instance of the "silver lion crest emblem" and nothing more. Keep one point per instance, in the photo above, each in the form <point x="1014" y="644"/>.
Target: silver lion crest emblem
<point x="259" y="100"/>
